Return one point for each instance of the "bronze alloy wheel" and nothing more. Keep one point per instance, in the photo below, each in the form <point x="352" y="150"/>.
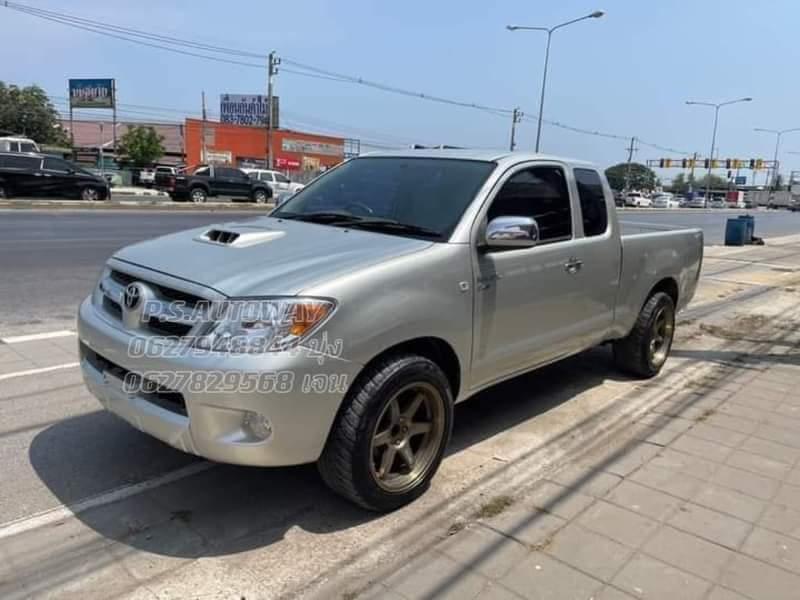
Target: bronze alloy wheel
<point x="661" y="338"/>
<point x="407" y="437"/>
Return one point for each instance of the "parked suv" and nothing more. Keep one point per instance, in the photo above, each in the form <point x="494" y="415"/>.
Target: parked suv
<point x="212" y="180"/>
<point x="33" y="174"/>
<point x="17" y="144"/>
<point x="276" y="180"/>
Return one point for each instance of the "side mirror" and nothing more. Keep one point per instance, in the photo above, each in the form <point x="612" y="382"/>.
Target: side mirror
<point x="512" y="232"/>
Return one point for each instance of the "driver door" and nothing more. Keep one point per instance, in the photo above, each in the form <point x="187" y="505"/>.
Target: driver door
<point x="526" y="298"/>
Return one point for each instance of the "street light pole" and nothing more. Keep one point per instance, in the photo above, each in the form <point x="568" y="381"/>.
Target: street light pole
<point x="778" y="133"/>
<point x="549" y="30"/>
<point x="716" y="107"/>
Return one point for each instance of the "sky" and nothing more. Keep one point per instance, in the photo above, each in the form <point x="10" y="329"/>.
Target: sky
<point x="628" y="73"/>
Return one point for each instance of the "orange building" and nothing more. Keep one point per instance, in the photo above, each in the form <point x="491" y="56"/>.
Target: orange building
<point x="247" y="146"/>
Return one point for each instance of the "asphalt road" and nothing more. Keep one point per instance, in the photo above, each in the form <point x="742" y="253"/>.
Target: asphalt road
<point x="49" y="259"/>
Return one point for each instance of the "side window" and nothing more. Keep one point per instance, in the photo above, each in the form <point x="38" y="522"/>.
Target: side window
<point x="593" y="202"/>
<point x="205" y="171"/>
<point x="21" y="162"/>
<point x="266" y="177"/>
<point x="27" y="147"/>
<point x="281" y="178"/>
<point x="55" y="164"/>
<point x="541" y="193"/>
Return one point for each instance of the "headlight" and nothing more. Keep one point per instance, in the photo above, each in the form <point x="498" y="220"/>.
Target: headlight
<point x="266" y="325"/>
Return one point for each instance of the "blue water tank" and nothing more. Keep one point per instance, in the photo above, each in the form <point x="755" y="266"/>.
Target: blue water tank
<point x="751" y="226"/>
<point x="736" y="232"/>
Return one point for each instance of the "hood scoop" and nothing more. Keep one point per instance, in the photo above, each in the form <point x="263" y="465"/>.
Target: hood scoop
<point x="241" y="237"/>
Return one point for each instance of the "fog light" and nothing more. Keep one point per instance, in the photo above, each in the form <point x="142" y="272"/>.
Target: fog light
<point x="258" y="425"/>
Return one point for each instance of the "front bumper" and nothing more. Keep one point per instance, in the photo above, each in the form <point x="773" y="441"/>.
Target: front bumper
<point x="212" y="422"/>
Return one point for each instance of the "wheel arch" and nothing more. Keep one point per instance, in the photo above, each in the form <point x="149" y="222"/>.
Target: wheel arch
<point x="669" y="286"/>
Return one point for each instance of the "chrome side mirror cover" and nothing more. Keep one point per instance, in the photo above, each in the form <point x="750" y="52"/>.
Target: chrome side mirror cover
<point x="512" y="232"/>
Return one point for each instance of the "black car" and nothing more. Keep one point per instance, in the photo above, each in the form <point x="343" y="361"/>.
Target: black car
<point x="213" y="180"/>
<point x="29" y="174"/>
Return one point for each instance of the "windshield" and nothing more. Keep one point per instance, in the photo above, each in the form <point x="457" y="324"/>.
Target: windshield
<point x="426" y="193"/>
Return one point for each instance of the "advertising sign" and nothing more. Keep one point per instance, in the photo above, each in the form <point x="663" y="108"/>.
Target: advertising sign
<point x="248" y="109"/>
<point x="91" y="93"/>
<point x="308" y="147"/>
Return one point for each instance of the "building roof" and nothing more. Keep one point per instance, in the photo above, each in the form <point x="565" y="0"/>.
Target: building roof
<point x="87" y="133"/>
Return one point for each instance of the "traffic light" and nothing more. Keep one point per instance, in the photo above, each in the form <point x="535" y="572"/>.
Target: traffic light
<point x="752" y="163"/>
<point x="728" y="164"/>
<point x="759" y="164"/>
<point x="691" y="162"/>
<point x="706" y="163"/>
<point x="714" y="163"/>
<point x="665" y="163"/>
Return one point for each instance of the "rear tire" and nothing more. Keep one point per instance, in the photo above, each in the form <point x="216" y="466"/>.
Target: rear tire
<point x="198" y="195"/>
<point x="90" y="194"/>
<point x="646" y="348"/>
<point x="390" y="434"/>
<point x="260" y="197"/>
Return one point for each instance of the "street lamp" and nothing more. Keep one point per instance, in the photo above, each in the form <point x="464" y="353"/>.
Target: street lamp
<point x="778" y="133"/>
<point x="595" y="15"/>
<point x="714" y="135"/>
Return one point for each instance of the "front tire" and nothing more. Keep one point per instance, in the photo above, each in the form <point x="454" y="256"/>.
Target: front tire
<point x="90" y="194"/>
<point x="198" y="195"/>
<point x="645" y="349"/>
<point x="390" y="434"/>
<point x="260" y="197"/>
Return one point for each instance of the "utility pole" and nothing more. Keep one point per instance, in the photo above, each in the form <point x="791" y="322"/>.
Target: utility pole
<point x="516" y="117"/>
<point x="631" y="150"/>
<point x="691" y="172"/>
<point x="272" y="69"/>
<point x="203" y="150"/>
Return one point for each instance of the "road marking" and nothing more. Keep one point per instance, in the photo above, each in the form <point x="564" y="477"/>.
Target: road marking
<point x="59" y="513"/>
<point x="38" y="371"/>
<point x="33" y="337"/>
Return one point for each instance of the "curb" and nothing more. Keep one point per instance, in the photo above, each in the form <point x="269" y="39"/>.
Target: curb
<point x="131" y="204"/>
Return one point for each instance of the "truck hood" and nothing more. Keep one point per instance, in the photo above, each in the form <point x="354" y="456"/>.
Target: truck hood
<point x="266" y="256"/>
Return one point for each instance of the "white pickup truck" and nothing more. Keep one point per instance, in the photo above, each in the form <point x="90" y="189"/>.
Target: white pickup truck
<point x="343" y="327"/>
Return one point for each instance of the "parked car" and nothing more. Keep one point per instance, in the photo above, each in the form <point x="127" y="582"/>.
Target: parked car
<point x="695" y="202"/>
<point x="666" y="201"/>
<point x="212" y="180"/>
<point x="147" y="177"/>
<point x="637" y="199"/>
<point x="32" y="174"/>
<point x="389" y="289"/>
<point x="17" y="144"/>
<point x="717" y="203"/>
<point x="279" y="183"/>
<point x="619" y="198"/>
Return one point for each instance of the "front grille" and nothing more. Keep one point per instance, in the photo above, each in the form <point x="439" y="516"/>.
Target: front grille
<point x="113" y="308"/>
<point x="165" y="292"/>
<point x="162" y="397"/>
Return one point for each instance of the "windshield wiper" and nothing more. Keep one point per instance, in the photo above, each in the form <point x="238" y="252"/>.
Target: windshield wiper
<point x="321" y="217"/>
<point x="392" y="225"/>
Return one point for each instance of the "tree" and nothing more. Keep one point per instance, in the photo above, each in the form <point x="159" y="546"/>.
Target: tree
<point x="27" y="111"/>
<point x="681" y="183"/>
<point x="141" y="146"/>
<point x="715" y="182"/>
<point x="640" y="177"/>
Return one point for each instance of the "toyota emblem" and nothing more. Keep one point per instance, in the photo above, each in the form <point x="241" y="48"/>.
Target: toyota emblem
<point x="132" y="296"/>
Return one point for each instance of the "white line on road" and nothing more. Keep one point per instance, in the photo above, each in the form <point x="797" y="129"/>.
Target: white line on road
<point x="33" y="337"/>
<point x="5" y="376"/>
<point x="62" y="512"/>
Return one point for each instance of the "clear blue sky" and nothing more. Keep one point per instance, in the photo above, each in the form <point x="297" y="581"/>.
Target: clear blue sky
<point x="628" y="73"/>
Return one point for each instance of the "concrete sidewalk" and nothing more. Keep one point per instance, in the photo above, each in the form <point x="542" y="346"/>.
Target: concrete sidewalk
<point x="698" y="498"/>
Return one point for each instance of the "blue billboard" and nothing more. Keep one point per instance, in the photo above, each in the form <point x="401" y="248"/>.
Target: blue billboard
<point x="91" y="93"/>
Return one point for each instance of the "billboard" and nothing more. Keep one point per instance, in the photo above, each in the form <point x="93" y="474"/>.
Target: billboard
<point x="309" y="147"/>
<point x="248" y="109"/>
<point x="91" y="93"/>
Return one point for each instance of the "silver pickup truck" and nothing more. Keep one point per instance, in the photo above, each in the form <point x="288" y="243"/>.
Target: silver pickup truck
<point x="343" y="327"/>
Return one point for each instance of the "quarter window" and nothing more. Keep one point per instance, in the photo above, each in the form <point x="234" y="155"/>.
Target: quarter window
<point x="281" y="178"/>
<point x="540" y="193"/>
<point x="20" y="162"/>
<point x="55" y="164"/>
<point x="593" y="202"/>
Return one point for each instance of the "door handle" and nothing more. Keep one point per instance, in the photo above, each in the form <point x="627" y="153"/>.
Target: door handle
<point x="573" y="265"/>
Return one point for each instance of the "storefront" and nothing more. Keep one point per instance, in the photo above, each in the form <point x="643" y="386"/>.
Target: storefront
<point x="247" y="147"/>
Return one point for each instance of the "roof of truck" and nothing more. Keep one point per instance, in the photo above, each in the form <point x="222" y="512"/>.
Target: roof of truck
<point x="472" y="154"/>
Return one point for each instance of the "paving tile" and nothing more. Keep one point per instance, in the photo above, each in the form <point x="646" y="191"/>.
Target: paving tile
<point x="644" y="500"/>
<point x="734" y="423"/>
<point x="787" y="437"/>
<point x="646" y="577"/>
<point x="782" y="518"/>
<point x="652" y="434"/>
<point x="559" y="500"/>
<point x="528" y="527"/>
<point x="720" y="593"/>
<point x="586" y="480"/>
<point x="711" y="525"/>
<point x="631" y="459"/>
<point x="755" y="463"/>
<point x="726" y="437"/>
<point x="727" y="500"/>
<point x="759" y="402"/>
<point x="699" y="447"/>
<point x="484" y="551"/>
<point x="746" y="482"/>
<point x="790" y="409"/>
<point x="741" y="411"/>
<point x="434" y="575"/>
<point x="621" y="525"/>
<point x="540" y="577"/>
<point x="378" y="592"/>
<point x="789" y="495"/>
<point x="688" y="552"/>
<point x="794" y="477"/>
<point x="759" y="580"/>
<point x="612" y="593"/>
<point x="770" y="449"/>
<point x="777" y="549"/>
<point x="589" y="552"/>
<point x="689" y="464"/>
<point x="666" y="480"/>
<point x="666" y="422"/>
<point x="492" y="591"/>
<point x="782" y="420"/>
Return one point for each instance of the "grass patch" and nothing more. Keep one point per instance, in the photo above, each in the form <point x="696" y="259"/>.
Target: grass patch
<point x="494" y="507"/>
